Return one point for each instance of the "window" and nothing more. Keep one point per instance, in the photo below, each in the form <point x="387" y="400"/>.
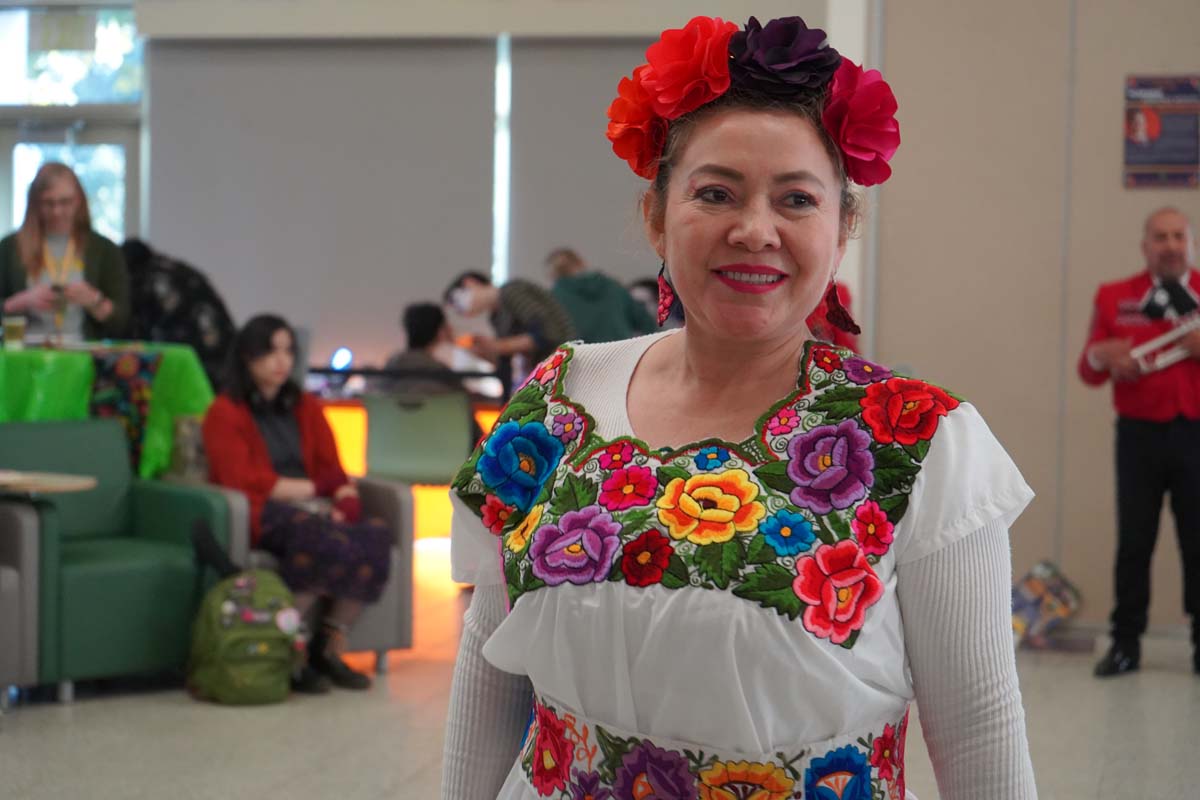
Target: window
<point x="70" y="90"/>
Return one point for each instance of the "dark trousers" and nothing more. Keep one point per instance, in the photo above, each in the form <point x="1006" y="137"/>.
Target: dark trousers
<point x="1154" y="458"/>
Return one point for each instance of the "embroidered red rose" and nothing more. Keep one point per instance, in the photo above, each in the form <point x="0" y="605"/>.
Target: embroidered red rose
<point x="629" y="487"/>
<point x="689" y="66"/>
<point x="645" y="559"/>
<point x="495" y="513"/>
<point x="904" y="410"/>
<point x="872" y="528"/>
<point x="839" y="586"/>
<point x="860" y="115"/>
<point x="552" y="753"/>
<point x="636" y="132"/>
<point x="827" y="359"/>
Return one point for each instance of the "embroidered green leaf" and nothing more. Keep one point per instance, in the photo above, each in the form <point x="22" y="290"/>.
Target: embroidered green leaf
<point x="759" y="552"/>
<point x="919" y="450"/>
<point x="839" y="525"/>
<point x="616" y="573"/>
<point x="770" y="585"/>
<point x="893" y="469"/>
<point x="894" y="506"/>
<point x="721" y="563"/>
<point x="837" y="411"/>
<point x="669" y="473"/>
<point x="840" y="397"/>
<point x="573" y="494"/>
<point x="467" y="471"/>
<point x="614" y="749"/>
<point x="823" y="532"/>
<point x="676" y="576"/>
<point x="635" y="521"/>
<point x="532" y="582"/>
<point x="544" y="495"/>
<point x="533" y="416"/>
<point x="524" y="406"/>
<point x="474" y="502"/>
<point x="774" y="475"/>
<point x="851" y="639"/>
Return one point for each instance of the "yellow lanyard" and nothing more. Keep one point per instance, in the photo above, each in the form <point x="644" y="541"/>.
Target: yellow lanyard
<point x="59" y="270"/>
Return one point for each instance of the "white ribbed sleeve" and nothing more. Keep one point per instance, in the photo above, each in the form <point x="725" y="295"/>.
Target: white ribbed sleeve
<point x="958" y="631"/>
<point x="489" y="708"/>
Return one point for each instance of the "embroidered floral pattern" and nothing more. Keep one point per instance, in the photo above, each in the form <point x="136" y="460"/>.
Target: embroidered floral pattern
<point x="795" y="519"/>
<point x="567" y="758"/>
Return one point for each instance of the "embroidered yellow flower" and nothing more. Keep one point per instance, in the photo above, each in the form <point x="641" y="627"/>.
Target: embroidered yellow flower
<point x="713" y="507"/>
<point x="745" y="780"/>
<point x="519" y="537"/>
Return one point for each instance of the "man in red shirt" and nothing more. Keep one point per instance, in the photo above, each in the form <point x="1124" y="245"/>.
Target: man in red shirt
<point x="1158" y="425"/>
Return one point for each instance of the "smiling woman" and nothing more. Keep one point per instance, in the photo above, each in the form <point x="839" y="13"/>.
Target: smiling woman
<point x="735" y="501"/>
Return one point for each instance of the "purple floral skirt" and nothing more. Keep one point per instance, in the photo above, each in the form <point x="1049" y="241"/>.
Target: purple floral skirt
<point x="318" y="555"/>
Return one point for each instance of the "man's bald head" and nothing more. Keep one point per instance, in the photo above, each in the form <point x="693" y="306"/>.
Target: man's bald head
<point x="1169" y="243"/>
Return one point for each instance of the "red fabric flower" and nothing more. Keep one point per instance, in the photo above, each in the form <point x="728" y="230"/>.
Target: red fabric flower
<point x="884" y="754"/>
<point x="495" y="513"/>
<point x="636" y="132"/>
<point x="839" y="586"/>
<point x="872" y="528"/>
<point x="645" y="559"/>
<point x="904" y="410"/>
<point x="689" y="66"/>
<point x="552" y="753"/>
<point x="626" y="488"/>
<point x="860" y="115"/>
<point x="616" y="456"/>
<point x="827" y="359"/>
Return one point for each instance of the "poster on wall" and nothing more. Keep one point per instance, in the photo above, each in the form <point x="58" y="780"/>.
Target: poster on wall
<point x="1162" y="132"/>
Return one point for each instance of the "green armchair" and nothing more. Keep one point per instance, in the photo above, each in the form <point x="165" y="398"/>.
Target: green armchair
<point x="116" y="579"/>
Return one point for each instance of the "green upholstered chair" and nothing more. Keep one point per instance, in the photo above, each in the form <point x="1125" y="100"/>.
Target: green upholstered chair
<point x="117" y="582"/>
<point x="418" y="439"/>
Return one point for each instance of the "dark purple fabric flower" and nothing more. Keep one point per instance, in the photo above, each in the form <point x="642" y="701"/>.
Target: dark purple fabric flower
<point x="581" y="548"/>
<point x="663" y="772"/>
<point x="784" y="56"/>
<point x="587" y="786"/>
<point x="862" y="372"/>
<point x="832" y="466"/>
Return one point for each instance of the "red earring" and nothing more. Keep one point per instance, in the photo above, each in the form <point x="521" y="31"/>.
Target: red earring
<point x="837" y="314"/>
<point x="666" y="297"/>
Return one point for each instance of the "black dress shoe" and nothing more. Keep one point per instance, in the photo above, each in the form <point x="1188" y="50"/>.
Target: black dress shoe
<point x="308" y="681"/>
<point x="339" y="672"/>
<point x="1120" y="658"/>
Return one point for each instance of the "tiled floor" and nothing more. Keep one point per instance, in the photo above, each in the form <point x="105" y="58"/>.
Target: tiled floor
<point x="1131" y="737"/>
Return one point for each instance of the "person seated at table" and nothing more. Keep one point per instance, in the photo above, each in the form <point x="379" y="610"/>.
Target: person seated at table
<point x="265" y="437"/>
<point x="58" y="272"/>
<point x="427" y="330"/>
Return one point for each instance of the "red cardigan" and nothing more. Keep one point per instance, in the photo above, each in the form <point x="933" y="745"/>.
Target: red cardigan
<point x="238" y="457"/>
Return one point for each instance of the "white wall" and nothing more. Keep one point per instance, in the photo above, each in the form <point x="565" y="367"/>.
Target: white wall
<point x="331" y="182"/>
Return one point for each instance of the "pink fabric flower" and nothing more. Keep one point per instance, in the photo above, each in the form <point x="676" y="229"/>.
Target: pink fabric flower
<point x="860" y="115"/>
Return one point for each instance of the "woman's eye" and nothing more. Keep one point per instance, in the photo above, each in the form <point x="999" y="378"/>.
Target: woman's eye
<point x="714" y="194"/>
<point x="797" y="200"/>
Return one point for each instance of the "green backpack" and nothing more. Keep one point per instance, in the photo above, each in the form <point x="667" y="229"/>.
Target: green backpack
<point x="245" y="641"/>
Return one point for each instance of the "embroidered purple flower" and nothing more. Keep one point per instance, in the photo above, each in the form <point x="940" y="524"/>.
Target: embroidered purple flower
<point x="832" y="467"/>
<point x="649" y="771"/>
<point x="782" y="57"/>
<point x="581" y="548"/>
<point x="710" y="458"/>
<point x="567" y="427"/>
<point x="862" y="372"/>
<point x="586" y="786"/>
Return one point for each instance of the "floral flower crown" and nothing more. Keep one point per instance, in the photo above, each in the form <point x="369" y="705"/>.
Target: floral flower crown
<point x="695" y="65"/>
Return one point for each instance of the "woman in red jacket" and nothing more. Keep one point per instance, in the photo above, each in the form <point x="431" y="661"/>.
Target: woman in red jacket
<point x="265" y="437"/>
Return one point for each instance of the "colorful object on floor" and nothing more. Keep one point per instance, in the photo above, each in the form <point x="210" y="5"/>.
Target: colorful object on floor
<point x="1042" y="600"/>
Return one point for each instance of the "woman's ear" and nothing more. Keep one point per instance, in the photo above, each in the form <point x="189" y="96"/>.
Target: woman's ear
<point x="652" y="223"/>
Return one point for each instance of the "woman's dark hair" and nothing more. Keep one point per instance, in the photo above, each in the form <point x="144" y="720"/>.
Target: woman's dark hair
<point x="252" y="342"/>
<point x="462" y="278"/>
<point x="422" y="321"/>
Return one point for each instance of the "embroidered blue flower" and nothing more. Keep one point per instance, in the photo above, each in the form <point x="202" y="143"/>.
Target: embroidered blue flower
<point x="517" y="460"/>
<point x="841" y="774"/>
<point x="711" y="458"/>
<point x="788" y="532"/>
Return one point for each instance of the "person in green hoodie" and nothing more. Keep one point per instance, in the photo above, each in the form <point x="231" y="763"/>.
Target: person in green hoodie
<point x="601" y="308"/>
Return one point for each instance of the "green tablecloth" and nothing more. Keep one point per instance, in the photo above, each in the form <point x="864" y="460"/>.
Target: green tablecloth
<point x="38" y="384"/>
